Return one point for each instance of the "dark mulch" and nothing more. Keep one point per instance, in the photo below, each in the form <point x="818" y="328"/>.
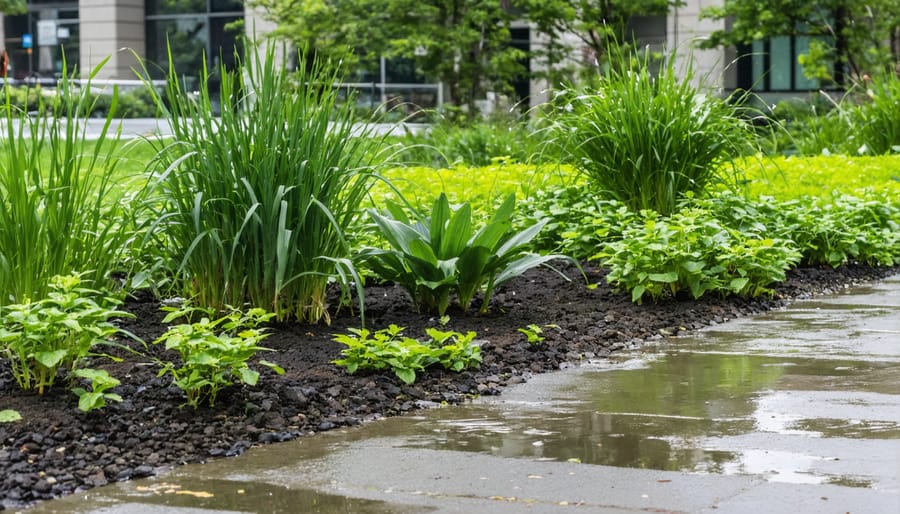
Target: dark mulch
<point x="57" y="450"/>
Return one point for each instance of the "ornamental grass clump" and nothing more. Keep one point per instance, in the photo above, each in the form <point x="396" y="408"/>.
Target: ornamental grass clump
<point x="646" y="140"/>
<point x="878" y="118"/>
<point x="63" y="200"/>
<point x="257" y="201"/>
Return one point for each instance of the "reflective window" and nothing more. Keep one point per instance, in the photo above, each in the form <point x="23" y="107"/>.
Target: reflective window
<point x="54" y="40"/>
<point x="773" y="65"/>
<point x="174" y="6"/>
<point x="190" y="30"/>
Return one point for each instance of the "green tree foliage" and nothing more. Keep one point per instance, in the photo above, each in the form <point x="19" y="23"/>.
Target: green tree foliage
<point x="598" y="24"/>
<point x="12" y="6"/>
<point x="463" y="43"/>
<point x="860" y="36"/>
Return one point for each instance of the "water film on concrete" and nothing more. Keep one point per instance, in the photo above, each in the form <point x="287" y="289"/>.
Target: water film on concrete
<point x="793" y="411"/>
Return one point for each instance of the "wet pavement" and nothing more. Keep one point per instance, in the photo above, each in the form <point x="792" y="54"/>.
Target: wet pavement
<point x="794" y="411"/>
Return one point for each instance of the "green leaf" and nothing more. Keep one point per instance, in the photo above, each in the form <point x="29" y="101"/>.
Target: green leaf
<point x="525" y="263"/>
<point x="738" y="284"/>
<point x="459" y="230"/>
<point x="668" y="277"/>
<point x="406" y="375"/>
<point x="421" y="250"/>
<point x="521" y="239"/>
<point x="9" y="416"/>
<point x="398" y="235"/>
<point x="694" y="266"/>
<point x="51" y="360"/>
<point x="637" y="293"/>
<point x="271" y="365"/>
<point x="249" y="376"/>
<point x="440" y="214"/>
<point x="90" y="401"/>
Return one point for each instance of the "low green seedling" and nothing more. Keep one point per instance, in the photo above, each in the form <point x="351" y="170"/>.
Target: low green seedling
<point x="9" y="416"/>
<point x="101" y="383"/>
<point x="58" y="332"/>
<point x="453" y="350"/>
<point x="215" y="353"/>
<point x="535" y="333"/>
<point x="405" y="356"/>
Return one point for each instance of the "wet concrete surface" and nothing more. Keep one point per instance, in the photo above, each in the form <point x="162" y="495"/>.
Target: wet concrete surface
<point x="794" y="411"/>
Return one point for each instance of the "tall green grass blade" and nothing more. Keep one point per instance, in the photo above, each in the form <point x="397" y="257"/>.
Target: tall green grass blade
<point x="64" y="205"/>
<point x="258" y="200"/>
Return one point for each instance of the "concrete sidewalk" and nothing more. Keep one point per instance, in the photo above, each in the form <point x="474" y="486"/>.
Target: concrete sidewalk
<point x="836" y="404"/>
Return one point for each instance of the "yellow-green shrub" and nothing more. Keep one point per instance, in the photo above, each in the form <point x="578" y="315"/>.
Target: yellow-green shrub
<point x="787" y="178"/>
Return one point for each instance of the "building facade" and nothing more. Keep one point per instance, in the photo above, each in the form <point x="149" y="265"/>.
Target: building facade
<point x="81" y="33"/>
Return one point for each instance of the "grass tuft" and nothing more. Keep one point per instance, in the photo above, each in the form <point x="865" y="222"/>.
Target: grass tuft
<point x="257" y="200"/>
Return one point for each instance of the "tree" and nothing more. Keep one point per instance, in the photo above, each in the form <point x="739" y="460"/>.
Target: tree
<point x="12" y="6"/>
<point x="462" y="43"/>
<point x="856" y="36"/>
<point x="598" y="24"/>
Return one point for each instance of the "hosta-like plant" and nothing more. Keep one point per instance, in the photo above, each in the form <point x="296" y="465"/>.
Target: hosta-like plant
<point x="437" y="255"/>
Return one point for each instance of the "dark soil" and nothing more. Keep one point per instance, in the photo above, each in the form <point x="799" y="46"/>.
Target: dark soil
<point x="57" y="450"/>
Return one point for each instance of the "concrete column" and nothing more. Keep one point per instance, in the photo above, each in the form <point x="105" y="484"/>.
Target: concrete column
<point x="112" y="28"/>
<point x="685" y="30"/>
<point x="257" y="29"/>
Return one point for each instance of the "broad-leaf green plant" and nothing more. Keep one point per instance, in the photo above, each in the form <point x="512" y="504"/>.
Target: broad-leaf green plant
<point x="257" y="200"/>
<point x="388" y="348"/>
<point x="433" y="256"/>
<point x="100" y="382"/>
<point x="693" y="251"/>
<point x="214" y="353"/>
<point x="41" y="338"/>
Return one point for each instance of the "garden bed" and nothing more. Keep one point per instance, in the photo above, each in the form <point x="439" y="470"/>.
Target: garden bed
<point x="56" y="449"/>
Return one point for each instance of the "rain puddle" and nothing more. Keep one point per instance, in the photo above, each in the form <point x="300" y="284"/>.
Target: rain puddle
<point x="806" y="395"/>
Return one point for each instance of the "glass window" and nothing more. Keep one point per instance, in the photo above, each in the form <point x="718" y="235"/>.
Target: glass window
<point x="193" y="29"/>
<point x="175" y="7"/>
<point x="402" y="71"/>
<point x="781" y="60"/>
<point x="226" y="6"/>
<point x="759" y="65"/>
<point x="55" y="35"/>
<point x="187" y="37"/>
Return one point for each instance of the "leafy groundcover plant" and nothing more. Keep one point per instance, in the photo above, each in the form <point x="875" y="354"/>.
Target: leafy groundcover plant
<point x="647" y="140"/>
<point x="432" y="257"/>
<point x="215" y="353"/>
<point x="257" y="200"/>
<point x="389" y="349"/>
<point x="693" y="251"/>
<point x="41" y="338"/>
